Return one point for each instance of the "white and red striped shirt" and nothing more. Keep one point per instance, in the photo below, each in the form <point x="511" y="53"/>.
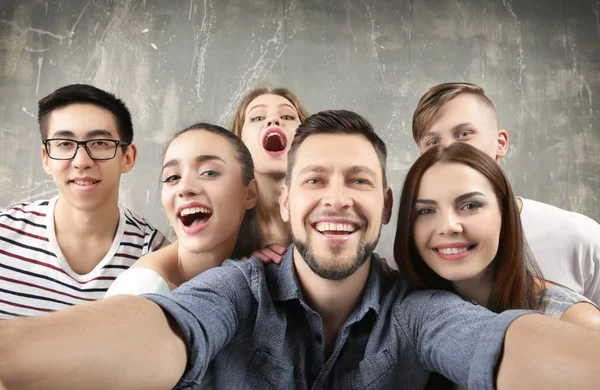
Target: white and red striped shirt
<point x="35" y="277"/>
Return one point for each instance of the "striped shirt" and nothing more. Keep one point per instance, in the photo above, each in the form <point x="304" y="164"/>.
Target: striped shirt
<point x="35" y="277"/>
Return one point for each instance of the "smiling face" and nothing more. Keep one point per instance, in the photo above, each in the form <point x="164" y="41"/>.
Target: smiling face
<point x="335" y="203"/>
<point x="82" y="182"/>
<point x="466" y="119"/>
<point x="458" y="221"/>
<point x="269" y="127"/>
<point x="203" y="191"/>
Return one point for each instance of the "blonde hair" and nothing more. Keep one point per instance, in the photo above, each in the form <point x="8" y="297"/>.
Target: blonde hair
<point x="240" y="114"/>
<point x="436" y="97"/>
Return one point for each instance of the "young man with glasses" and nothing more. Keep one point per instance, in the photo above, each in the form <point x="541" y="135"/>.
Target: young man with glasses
<point x="68" y="250"/>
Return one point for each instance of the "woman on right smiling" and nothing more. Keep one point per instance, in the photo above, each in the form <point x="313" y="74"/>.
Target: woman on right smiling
<point x="459" y="230"/>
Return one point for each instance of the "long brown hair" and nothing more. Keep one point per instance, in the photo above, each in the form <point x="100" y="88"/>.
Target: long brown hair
<point x="240" y="114"/>
<point x="513" y="269"/>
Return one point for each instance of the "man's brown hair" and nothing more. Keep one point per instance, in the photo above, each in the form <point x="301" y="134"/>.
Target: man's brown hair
<point x="436" y="97"/>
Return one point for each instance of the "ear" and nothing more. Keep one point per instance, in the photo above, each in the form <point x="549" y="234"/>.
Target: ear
<point x="252" y="195"/>
<point x="502" y="142"/>
<point x="388" y="203"/>
<point x="129" y="158"/>
<point x="284" y="203"/>
<point x="46" y="161"/>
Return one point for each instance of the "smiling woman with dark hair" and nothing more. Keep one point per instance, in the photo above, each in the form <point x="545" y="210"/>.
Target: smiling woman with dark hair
<point x="208" y="193"/>
<point x="459" y="230"/>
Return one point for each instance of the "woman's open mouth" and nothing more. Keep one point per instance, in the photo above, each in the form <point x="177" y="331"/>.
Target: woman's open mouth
<point x="194" y="219"/>
<point x="275" y="142"/>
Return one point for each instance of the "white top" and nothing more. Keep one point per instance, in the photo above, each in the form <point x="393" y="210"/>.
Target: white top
<point x="137" y="281"/>
<point x="35" y="276"/>
<point x="566" y="246"/>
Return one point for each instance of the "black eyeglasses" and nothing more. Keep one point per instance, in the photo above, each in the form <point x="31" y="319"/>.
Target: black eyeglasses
<point x="97" y="149"/>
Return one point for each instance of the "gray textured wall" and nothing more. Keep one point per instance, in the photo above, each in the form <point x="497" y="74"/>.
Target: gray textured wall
<point x="177" y="62"/>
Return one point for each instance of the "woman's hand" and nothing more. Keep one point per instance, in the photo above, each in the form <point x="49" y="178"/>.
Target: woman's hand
<point x="272" y="253"/>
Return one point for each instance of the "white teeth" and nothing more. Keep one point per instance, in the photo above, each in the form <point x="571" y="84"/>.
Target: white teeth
<point x="452" y="251"/>
<point x="333" y="227"/>
<point x="84" y="182"/>
<point x="194" y="210"/>
<point x="275" y="134"/>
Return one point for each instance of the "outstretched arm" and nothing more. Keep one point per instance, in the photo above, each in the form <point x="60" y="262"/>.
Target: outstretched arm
<point x="476" y="348"/>
<point x="125" y="342"/>
<point x="543" y="352"/>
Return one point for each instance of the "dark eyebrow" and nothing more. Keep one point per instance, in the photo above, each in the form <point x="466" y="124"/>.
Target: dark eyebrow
<point x="313" y="169"/>
<point x="90" y="134"/>
<point x="99" y="133"/>
<point x="457" y="200"/>
<point x="357" y="169"/>
<point x="467" y="196"/>
<point x="200" y="159"/>
<point x="63" y="133"/>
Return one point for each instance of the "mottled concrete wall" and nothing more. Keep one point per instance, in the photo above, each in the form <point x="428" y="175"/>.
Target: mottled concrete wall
<point x="178" y="62"/>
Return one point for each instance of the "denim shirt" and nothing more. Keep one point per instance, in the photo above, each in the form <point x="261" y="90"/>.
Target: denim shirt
<point x="252" y="320"/>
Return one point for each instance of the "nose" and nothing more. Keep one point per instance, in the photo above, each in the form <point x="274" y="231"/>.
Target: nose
<point x="336" y="196"/>
<point x="82" y="159"/>
<point x="449" y="223"/>
<point x="188" y="186"/>
<point x="273" y="121"/>
<point x="446" y="142"/>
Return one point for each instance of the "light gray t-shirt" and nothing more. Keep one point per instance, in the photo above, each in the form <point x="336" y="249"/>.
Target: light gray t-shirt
<point x="253" y="321"/>
<point x="557" y="300"/>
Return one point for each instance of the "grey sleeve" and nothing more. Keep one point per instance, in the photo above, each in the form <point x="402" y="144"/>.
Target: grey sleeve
<point x="209" y="309"/>
<point x="461" y="340"/>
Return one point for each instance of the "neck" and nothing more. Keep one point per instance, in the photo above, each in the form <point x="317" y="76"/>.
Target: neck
<point x="477" y="289"/>
<point x="190" y="264"/>
<point x="334" y="300"/>
<point x="274" y="229"/>
<point x="96" y="224"/>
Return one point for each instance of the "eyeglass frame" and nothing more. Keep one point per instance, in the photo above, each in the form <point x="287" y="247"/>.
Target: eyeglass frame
<point x="85" y="147"/>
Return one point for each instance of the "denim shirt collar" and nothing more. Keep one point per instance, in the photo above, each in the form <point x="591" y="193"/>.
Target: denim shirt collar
<point x="287" y="286"/>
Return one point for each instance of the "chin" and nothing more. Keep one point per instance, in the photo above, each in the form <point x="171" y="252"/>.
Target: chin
<point x="193" y="246"/>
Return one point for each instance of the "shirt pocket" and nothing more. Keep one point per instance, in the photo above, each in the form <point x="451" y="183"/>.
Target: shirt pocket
<point x="266" y="372"/>
<point x="373" y="372"/>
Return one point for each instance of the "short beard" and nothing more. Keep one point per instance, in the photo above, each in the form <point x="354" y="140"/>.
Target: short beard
<point x="365" y="249"/>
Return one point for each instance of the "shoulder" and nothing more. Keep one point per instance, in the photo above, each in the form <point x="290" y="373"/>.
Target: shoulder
<point x="427" y="304"/>
<point x="25" y="217"/>
<point x="558" y="300"/>
<point x="38" y="208"/>
<point x="161" y="261"/>
<point x="253" y="269"/>
<point x="232" y="274"/>
<point x="584" y="314"/>
<point x="137" y="226"/>
<point x="544" y="216"/>
<point x="137" y="281"/>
